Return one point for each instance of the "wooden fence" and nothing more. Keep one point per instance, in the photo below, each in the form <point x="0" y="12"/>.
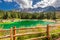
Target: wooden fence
<point x="13" y="33"/>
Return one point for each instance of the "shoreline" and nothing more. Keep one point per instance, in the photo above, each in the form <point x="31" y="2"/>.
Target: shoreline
<point x="48" y="20"/>
<point x="41" y="26"/>
<point x="14" y="20"/>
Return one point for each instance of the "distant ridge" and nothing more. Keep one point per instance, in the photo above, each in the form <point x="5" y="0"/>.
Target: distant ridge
<point x="39" y="9"/>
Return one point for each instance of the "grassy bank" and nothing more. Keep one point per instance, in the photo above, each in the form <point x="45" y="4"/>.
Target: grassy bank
<point x="55" y="33"/>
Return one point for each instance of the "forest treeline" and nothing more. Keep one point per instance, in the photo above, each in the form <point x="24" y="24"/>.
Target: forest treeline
<point x="25" y="15"/>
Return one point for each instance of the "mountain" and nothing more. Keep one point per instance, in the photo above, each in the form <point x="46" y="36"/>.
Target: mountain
<point x="49" y="8"/>
<point x="57" y="8"/>
<point x="39" y="9"/>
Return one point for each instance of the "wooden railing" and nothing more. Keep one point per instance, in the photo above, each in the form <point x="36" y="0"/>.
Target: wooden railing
<point x="13" y="33"/>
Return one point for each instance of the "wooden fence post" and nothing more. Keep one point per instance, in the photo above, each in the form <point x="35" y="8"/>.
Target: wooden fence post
<point x="48" y="35"/>
<point x="14" y="33"/>
<point x="11" y="34"/>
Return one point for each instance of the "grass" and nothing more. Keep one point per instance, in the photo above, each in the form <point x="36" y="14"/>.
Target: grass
<point x="57" y="30"/>
<point x="53" y="36"/>
<point x="6" y="22"/>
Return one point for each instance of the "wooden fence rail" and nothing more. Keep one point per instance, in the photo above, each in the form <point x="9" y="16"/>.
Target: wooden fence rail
<point x="13" y="34"/>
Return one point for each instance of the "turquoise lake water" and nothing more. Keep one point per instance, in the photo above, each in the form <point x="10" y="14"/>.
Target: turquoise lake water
<point x="25" y="23"/>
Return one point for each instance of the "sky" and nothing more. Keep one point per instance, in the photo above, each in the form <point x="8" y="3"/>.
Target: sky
<point x="15" y="4"/>
<point x="8" y="5"/>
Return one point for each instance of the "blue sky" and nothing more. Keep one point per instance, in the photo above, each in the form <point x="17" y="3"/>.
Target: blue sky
<point x="35" y="1"/>
<point x="12" y="5"/>
<point x="15" y="4"/>
<point x="8" y="5"/>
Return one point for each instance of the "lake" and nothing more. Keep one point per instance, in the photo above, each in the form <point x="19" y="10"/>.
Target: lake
<point x="25" y="24"/>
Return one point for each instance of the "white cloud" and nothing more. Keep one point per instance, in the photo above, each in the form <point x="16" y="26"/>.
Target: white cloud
<point x="24" y="3"/>
<point x="8" y="0"/>
<point x="56" y="4"/>
<point x="43" y="3"/>
<point x="40" y="4"/>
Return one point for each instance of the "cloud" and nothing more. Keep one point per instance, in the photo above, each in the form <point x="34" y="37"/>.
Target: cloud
<point x="8" y="0"/>
<point x="56" y="4"/>
<point x="42" y="3"/>
<point x="24" y="3"/>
